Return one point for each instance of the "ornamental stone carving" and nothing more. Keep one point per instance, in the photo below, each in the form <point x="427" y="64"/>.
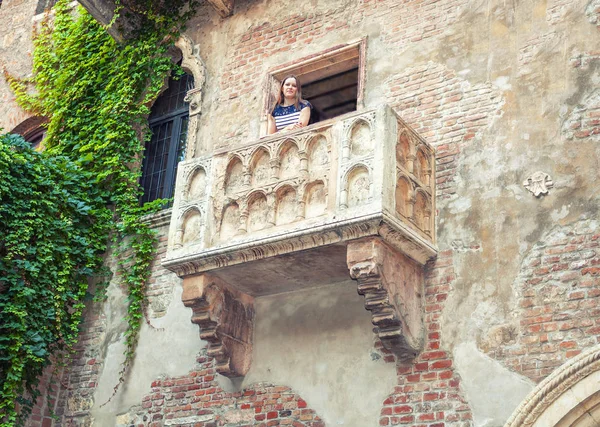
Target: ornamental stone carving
<point x="568" y="396"/>
<point x="392" y="286"/>
<point x="314" y="199"/>
<point x="538" y="183"/>
<point x="192" y="63"/>
<point x="226" y="320"/>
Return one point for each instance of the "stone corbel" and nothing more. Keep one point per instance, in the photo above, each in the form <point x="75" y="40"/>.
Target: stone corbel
<point x="226" y="320"/>
<point x="392" y="285"/>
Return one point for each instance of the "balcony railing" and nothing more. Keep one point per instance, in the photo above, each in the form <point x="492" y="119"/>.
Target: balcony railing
<point x="352" y="197"/>
<point x="365" y="173"/>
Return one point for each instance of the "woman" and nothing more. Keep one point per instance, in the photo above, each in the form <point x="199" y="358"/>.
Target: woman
<point x="291" y="111"/>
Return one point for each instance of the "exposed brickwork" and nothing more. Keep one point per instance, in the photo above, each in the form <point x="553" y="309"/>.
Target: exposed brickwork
<point x="197" y="400"/>
<point x="593" y="12"/>
<point x="80" y="381"/>
<point x="557" y="290"/>
<point x="412" y="22"/>
<point x="585" y="59"/>
<point x="47" y="403"/>
<point x="243" y="73"/>
<point x="428" y="391"/>
<point x="532" y="47"/>
<point x="558" y="302"/>
<point x="159" y="288"/>
<point x="557" y="9"/>
<point x="446" y="110"/>
<point x="84" y="369"/>
<point x="584" y="120"/>
<point x="405" y="23"/>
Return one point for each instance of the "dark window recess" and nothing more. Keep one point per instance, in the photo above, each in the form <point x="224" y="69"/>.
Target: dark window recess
<point x="35" y="138"/>
<point x="333" y="95"/>
<point x="43" y="5"/>
<point x="168" y="123"/>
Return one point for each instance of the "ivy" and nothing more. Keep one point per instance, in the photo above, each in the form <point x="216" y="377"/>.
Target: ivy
<point x="58" y="208"/>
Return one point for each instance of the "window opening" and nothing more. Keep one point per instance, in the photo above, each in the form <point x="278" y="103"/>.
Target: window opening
<point x="35" y="138"/>
<point x="169" y="124"/>
<point x="332" y="96"/>
<point x="33" y="130"/>
<point x="332" y="81"/>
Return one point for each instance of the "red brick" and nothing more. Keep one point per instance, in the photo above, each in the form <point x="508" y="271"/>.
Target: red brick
<point x="441" y="364"/>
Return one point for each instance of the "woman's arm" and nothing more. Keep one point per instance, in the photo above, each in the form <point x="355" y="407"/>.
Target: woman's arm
<point x="302" y="120"/>
<point x="304" y="116"/>
<point x="271" y="128"/>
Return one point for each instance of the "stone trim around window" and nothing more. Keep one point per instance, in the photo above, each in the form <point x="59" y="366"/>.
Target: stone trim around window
<point x="315" y="67"/>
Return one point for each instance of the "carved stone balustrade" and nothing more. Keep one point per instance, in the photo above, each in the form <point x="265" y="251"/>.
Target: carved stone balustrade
<point x="353" y="197"/>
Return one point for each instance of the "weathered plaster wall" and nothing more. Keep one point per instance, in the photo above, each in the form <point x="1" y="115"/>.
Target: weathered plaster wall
<point x="16" y="24"/>
<point x="319" y="342"/>
<point x="502" y="89"/>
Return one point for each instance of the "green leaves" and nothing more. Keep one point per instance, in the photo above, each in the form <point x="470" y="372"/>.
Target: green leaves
<point x="46" y="223"/>
<point x="55" y="219"/>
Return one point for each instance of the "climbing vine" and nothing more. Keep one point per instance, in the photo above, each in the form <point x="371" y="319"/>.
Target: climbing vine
<point x="58" y="208"/>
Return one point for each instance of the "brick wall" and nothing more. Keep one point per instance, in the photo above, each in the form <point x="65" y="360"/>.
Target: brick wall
<point x="593" y="12"/>
<point x="584" y="120"/>
<point x="197" y="400"/>
<point x="446" y="110"/>
<point x="557" y="9"/>
<point x="403" y="24"/>
<point x="428" y="391"/>
<point x="427" y="394"/>
<point x="47" y="403"/>
<point x="558" y="302"/>
<point x="557" y="290"/>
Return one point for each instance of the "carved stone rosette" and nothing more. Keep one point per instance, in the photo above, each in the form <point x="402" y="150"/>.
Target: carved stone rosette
<point x="392" y="286"/>
<point x="226" y="319"/>
<point x="539" y="183"/>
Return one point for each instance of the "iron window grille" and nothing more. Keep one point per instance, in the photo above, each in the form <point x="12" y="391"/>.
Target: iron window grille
<point x="169" y="124"/>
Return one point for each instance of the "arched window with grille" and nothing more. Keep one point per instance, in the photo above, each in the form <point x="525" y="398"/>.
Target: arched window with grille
<point x="169" y="123"/>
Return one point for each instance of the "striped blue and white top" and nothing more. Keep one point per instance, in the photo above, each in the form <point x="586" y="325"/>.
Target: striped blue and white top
<point x="285" y="116"/>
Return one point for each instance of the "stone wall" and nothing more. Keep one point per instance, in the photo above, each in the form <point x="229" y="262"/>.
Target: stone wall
<point x="16" y="24"/>
<point x="502" y="90"/>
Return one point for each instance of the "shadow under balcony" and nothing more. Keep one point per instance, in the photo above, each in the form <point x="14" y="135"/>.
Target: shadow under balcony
<point x="351" y="196"/>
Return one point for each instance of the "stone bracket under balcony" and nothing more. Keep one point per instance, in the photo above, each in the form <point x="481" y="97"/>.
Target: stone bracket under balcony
<point x="349" y="197"/>
<point x="226" y="320"/>
<point x="392" y="286"/>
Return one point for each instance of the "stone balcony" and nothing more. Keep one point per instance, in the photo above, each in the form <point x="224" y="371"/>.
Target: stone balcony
<point x="353" y="197"/>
